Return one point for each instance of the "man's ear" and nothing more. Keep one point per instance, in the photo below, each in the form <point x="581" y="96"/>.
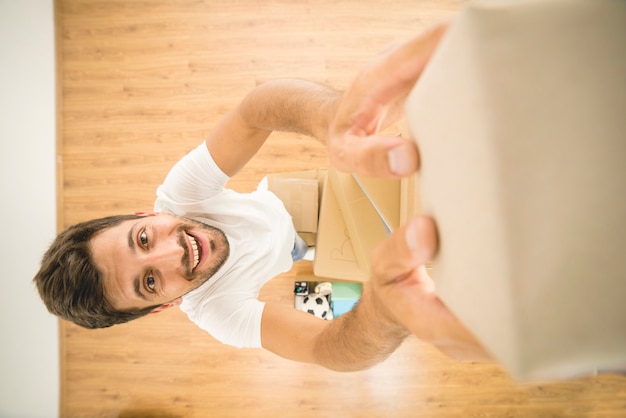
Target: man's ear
<point x="168" y="305"/>
<point x="140" y="213"/>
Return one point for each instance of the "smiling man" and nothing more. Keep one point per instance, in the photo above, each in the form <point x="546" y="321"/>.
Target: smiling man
<point x="206" y="248"/>
<point x="152" y="260"/>
<point x="209" y="249"/>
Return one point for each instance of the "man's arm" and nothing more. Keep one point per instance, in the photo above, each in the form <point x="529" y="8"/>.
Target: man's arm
<point x="399" y="299"/>
<point x="288" y="105"/>
<point x="376" y="99"/>
<point x="356" y="340"/>
<point x="406" y="294"/>
<point x="400" y="296"/>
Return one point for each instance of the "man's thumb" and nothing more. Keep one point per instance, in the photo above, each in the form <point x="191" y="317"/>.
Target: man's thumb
<point x="407" y="248"/>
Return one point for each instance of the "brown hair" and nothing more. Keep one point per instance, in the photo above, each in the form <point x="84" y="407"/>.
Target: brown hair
<point x="70" y="284"/>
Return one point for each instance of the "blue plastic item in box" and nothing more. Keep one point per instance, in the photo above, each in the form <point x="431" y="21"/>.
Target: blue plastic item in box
<point x="345" y="295"/>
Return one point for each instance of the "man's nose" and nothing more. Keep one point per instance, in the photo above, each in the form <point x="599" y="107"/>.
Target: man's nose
<point x="168" y="255"/>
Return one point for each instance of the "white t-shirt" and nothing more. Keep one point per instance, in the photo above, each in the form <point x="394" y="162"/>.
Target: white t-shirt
<point x="261" y="236"/>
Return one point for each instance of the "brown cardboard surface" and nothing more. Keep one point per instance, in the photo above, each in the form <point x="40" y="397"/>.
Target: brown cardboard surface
<point x="334" y="254"/>
<point x="520" y="121"/>
<point x="309" y="237"/>
<point x="299" y="192"/>
<point x="384" y="195"/>
<point x="364" y="226"/>
<point x="350" y="225"/>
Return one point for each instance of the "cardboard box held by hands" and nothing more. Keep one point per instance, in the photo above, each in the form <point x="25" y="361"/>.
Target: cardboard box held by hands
<point x="520" y="118"/>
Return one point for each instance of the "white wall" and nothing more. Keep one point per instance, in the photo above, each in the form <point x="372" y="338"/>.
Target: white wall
<point x="29" y="353"/>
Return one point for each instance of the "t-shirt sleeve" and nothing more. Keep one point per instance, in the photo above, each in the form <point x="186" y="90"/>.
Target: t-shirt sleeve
<point x="194" y="178"/>
<point x="230" y="319"/>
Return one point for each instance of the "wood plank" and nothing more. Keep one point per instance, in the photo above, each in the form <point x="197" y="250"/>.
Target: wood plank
<point x="141" y="83"/>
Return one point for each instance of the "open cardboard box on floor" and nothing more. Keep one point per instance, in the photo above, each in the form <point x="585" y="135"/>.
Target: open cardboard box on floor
<point x="366" y="210"/>
<point x="354" y="215"/>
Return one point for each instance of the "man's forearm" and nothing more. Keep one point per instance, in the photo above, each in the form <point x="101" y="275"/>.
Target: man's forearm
<point x="358" y="339"/>
<point x="280" y="105"/>
<point x="291" y="105"/>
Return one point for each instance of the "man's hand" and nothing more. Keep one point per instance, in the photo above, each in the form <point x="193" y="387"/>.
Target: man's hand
<point x="374" y="101"/>
<point x="405" y="293"/>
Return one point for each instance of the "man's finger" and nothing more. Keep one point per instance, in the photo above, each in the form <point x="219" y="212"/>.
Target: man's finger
<point x="407" y="248"/>
<point x="375" y="156"/>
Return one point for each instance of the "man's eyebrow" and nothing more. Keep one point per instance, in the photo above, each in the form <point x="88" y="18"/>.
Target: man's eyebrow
<point x="131" y="238"/>
<point x="137" y="286"/>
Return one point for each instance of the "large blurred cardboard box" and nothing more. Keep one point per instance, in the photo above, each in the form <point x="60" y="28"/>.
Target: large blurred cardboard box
<point x="520" y="118"/>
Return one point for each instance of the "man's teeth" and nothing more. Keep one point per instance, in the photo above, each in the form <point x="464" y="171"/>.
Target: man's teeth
<point x="196" y="252"/>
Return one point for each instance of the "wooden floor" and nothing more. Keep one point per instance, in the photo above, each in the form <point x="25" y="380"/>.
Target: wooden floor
<point x="140" y="84"/>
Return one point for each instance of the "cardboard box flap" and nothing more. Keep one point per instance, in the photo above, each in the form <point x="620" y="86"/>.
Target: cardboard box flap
<point x="364" y="225"/>
<point x="384" y="195"/>
<point x="334" y="254"/>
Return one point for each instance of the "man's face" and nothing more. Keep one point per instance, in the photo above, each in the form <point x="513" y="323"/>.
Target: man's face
<point x="156" y="259"/>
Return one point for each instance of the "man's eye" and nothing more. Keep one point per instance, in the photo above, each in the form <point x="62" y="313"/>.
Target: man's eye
<point x="143" y="238"/>
<point x="150" y="283"/>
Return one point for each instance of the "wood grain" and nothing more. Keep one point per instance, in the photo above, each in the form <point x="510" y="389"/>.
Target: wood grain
<point x="141" y="83"/>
